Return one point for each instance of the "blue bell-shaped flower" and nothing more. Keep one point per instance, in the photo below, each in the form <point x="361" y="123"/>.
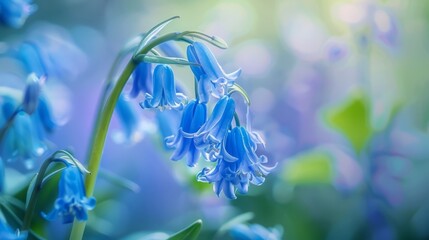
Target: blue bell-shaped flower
<point x="164" y="94"/>
<point x="212" y="80"/>
<point x="193" y="117"/>
<point x="71" y="201"/>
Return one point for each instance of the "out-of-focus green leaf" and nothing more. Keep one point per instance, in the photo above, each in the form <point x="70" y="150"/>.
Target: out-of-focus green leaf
<point x="147" y="236"/>
<point x="242" y="218"/>
<point x="310" y="167"/>
<point x="188" y="233"/>
<point x="353" y="120"/>
<point x="120" y="181"/>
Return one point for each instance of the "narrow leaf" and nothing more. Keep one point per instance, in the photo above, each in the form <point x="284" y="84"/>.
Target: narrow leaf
<point x="188" y="233"/>
<point x="162" y="60"/>
<point x="214" y="40"/>
<point x="50" y="175"/>
<point x="120" y="181"/>
<point x="151" y="34"/>
<point x="242" y="218"/>
<point x="30" y="189"/>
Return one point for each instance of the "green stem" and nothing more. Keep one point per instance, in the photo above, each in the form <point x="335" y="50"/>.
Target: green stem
<point x="237" y="119"/>
<point x="9" y="123"/>
<point x="37" y="187"/>
<point x="102" y="125"/>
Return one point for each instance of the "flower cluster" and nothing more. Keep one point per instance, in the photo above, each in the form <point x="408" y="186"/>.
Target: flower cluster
<point x="213" y="136"/>
<point x="23" y="123"/>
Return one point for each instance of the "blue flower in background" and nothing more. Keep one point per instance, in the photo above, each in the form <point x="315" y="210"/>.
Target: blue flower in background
<point x="142" y="79"/>
<point x="237" y="165"/>
<point x="194" y="116"/>
<point x="14" y="13"/>
<point x="71" y="201"/>
<point x="31" y="94"/>
<point x="130" y="121"/>
<point x="7" y="233"/>
<point x="212" y="80"/>
<point x="171" y="49"/>
<point x="30" y="56"/>
<point x="22" y="139"/>
<point x="209" y="136"/>
<point x="164" y="91"/>
<point x="50" y="51"/>
<point x="255" y="232"/>
<point x="44" y="115"/>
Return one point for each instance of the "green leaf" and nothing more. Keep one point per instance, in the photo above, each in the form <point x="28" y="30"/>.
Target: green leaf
<point x="162" y="60"/>
<point x="310" y="167"/>
<point x="353" y="120"/>
<point x="242" y="218"/>
<point x="147" y="236"/>
<point x="214" y="40"/>
<point x="151" y="34"/>
<point x="120" y="181"/>
<point x="72" y="160"/>
<point x="188" y="233"/>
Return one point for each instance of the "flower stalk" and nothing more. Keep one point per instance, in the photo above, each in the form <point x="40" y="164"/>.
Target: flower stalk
<point x="103" y="122"/>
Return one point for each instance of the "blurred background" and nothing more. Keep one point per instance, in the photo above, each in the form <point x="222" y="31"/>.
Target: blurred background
<point x="339" y="93"/>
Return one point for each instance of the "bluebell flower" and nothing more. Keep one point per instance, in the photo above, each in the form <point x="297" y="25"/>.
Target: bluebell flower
<point x="30" y="56"/>
<point x="209" y="136"/>
<point x="168" y="122"/>
<point x="255" y="232"/>
<point x="31" y="94"/>
<point x="193" y="117"/>
<point x="212" y="80"/>
<point x="142" y="79"/>
<point x="7" y="233"/>
<point x="21" y="140"/>
<point x="237" y="165"/>
<point x="71" y="201"/>
<point x="14" y="13"/>
<point x="50" y="52"/>
<point x="44" y="116"/>
<point x="164" y="91"/>
<point x="130" y="121"/>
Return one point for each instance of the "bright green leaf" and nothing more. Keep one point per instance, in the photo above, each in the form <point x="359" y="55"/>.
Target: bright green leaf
<point x="352" y="119"/>
<point x="188" y="233"/>
<point x="310" y="167"/>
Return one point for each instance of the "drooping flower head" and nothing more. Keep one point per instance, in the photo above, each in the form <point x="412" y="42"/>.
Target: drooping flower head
<point x="31" y="58"/>
<point x="212" y="80"/>
<point x="32" y="93"/>
<point x="193" y="117"/>
<point x="71" y="201"/>
<point x="21" y="140"/>
<point x="237" y="165"/>
<point x="49" y="51"/>
<point x="14" y="13"/>
<point x="164" y="95"/>
<point x="134" y="126"/>
<point x="142" y="79"/>
<point x="209" y="136"/>
<point x="255" y="232"/>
